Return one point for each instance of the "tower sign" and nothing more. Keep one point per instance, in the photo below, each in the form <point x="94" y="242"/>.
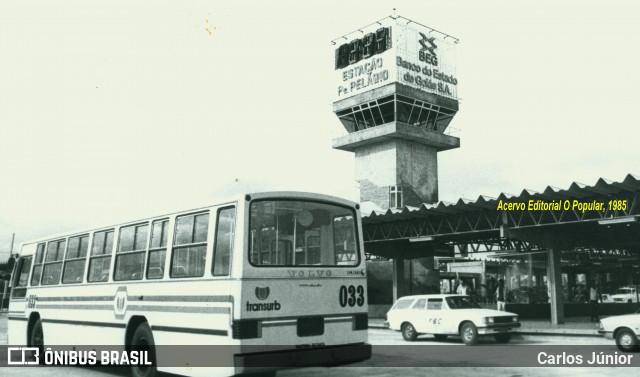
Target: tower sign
<point x="396" y="93"/>
<point x="396" y="50"/>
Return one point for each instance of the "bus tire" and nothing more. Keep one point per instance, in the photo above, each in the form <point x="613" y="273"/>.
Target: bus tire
<point x="36" y="339"/>
<point x="409" y="332"/>
<point x="142" y="340"/>
<point x="469" y="333"/>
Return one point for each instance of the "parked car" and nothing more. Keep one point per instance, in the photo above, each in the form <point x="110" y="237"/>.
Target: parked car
<point x="625" y="294"/>
<point x="445" y="315"/>
<point x="625" y="329"/>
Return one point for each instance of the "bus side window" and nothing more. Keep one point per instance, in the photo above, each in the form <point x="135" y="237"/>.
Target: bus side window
<point x="37" y="266"/>
<point x="23" y="274"/>
<point x="74" y="260"/>
<point x="52" y="269"/>
<point x="132" y="247"/>
<point x="100" y="260"/>
<point x="225" y="233"/>
<point x="21" y="277"/>
<point x="189" y="246"/>
<point x="158" y="249"/>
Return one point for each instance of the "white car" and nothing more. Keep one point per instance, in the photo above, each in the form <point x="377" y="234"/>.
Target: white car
<point x="625" y="294"/>
<point x="444" y="315"/>
<point x="625" y="329"/>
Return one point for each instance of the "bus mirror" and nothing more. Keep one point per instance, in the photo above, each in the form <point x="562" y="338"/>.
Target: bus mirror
<point x="305" y="218"/>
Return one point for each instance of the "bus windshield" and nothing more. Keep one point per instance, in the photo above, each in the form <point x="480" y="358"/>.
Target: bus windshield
<point x="302" y="233"/>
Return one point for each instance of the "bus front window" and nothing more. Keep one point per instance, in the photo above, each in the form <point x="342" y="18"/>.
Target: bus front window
<point x="302" y="233"/>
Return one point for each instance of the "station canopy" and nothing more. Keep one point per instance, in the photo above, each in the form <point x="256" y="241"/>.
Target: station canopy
<point x="598" y="222"/>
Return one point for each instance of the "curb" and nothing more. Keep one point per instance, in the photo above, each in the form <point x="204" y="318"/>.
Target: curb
<point x="586" y="333"/>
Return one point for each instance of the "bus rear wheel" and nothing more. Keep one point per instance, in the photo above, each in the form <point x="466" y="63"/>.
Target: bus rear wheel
<point x="142" y="340"/>
<point x="36" y="339"/>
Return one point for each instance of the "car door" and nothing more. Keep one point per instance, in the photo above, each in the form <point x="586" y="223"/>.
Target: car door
<point x="417" y="315"/>
<point x="434" y="316"/>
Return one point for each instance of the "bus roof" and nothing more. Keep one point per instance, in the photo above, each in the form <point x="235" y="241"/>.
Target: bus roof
<point x="224" y="201"/>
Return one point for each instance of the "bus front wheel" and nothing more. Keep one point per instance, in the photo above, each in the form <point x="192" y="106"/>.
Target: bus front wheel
<point x="142" y="340"/>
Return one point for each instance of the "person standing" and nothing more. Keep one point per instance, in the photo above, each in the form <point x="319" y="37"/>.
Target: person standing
<point x="593" y="303"/>
<point x="501" y="295"/>
<point x="463" y="288"/>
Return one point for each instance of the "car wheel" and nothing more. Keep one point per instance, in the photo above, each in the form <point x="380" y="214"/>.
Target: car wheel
<point x="142" y="340"/>
<point x="409" y="332"/>
<point x="502" y="337"/>
<point x="440" y="337"/>
<point x="469" y="334"/>
<point x="626" y="340"/>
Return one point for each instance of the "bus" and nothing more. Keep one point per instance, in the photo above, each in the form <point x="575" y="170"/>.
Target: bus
<point x="275" y="279"/>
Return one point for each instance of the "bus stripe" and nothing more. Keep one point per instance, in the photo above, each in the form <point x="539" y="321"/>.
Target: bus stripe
<point x="85" y="323"/>
<point x="185" y="298"/>
<point x="17" y="318"/>
<point x="279" y="324"/>
<point x="332" y="320"/>
<point x="144" y="308"/>
<point x="325" y="316"/>
<point x="75" y="298"/>
<point x="294" y="322"/>
<point x="76" y="307"/>
<point x="190" y="330"/>
<point x="178" y="309"/>
<point x="145" y="298"/>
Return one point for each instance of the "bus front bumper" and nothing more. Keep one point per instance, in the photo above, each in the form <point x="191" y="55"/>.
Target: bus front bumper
<point x="306" y="357"/>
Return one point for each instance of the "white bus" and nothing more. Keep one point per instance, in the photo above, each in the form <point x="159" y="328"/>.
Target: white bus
<point x="283" y="269"/>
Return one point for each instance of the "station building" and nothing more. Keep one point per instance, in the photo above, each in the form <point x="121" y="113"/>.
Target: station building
<point x="396" y="96"/>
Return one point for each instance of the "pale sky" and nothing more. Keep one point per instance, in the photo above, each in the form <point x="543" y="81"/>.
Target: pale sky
<point x="116" y="110"/>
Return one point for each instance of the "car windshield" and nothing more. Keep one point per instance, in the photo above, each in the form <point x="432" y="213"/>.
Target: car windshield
<point x="462" y="302"/>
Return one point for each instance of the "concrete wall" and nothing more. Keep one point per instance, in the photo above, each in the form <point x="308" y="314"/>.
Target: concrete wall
<point x="377" y="163"/>
<point x="408" y="164"/>
<point x="417" y="172"/>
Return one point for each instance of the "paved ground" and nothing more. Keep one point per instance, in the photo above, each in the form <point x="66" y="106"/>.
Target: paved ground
<point x="391" y="352"/>
<point x="571" y="326"/>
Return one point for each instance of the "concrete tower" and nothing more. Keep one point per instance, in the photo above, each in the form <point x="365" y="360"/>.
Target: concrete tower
<point x="396" y="95"/>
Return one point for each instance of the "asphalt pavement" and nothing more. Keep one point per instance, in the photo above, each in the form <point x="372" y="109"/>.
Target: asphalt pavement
<point x="575" y="326"/>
